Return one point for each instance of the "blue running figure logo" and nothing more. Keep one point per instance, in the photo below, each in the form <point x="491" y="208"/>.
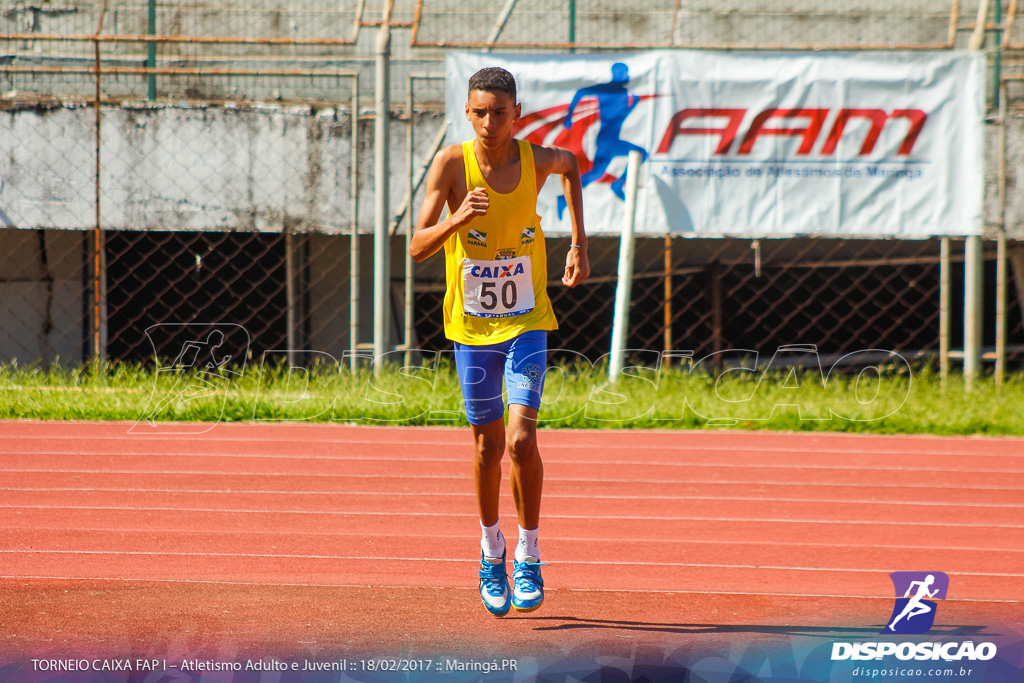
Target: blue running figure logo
<point x="614" y="104"/>
<point x="606" y="105"/>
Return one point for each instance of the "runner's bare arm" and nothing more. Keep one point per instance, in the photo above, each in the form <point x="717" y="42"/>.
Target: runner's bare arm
<point x="561" y="162"/>
<point x="443" y="186"/>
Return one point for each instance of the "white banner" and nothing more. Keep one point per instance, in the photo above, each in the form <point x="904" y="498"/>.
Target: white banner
<point x="851" y="144"/>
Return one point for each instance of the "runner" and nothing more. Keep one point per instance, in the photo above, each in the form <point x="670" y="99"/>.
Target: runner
<point x="497" y="311"/>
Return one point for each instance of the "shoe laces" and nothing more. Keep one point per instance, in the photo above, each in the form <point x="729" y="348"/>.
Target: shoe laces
<point x="527" y="576"/>
<point x="493" y="577"/>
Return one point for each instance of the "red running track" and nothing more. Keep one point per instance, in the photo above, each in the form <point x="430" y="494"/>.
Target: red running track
<point x="319" y="538"/>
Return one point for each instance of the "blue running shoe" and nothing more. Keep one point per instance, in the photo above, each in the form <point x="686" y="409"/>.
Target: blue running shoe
<point x="494" y="592"/>
<point x="527" y="585"/>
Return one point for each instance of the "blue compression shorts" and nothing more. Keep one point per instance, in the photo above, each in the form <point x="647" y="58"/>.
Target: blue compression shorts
<point x="521" y="362"/>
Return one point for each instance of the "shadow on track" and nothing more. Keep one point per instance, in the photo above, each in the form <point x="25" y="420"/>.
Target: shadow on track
<point x="572" y="623"/>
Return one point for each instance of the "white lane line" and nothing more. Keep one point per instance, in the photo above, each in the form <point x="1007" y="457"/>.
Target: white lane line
<point x="466" y="442"/>
<point x="547" y="538"/>
<point x="547" y="461"/>
<point x="389" y="558"/>
<point x="422" y="513"/>
<point x="652" y="591"/>
<point x="463" y="478"/>
<point x="432" y="494"/>
<point x="786" y="595"/>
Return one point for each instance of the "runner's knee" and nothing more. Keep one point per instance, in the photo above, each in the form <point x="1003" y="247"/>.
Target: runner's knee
<point x="521" y="444"/>
<point x="488" y="449"/>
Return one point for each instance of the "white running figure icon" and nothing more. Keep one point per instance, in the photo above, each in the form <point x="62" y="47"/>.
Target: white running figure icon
<point x="915" y="606"/>
<point x="188" y="387"/>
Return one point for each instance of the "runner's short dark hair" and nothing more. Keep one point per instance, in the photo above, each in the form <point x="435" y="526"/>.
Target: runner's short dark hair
<point x="493" y="79"/>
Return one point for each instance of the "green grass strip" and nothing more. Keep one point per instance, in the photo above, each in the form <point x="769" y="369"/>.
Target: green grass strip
<point x="890" y="400"/>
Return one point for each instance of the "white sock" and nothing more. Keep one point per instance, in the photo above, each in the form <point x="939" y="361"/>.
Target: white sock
<point x="492" y="542"/>
<point x="527" y="546"/>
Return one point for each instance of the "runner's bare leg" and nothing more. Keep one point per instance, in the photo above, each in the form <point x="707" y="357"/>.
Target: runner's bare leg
<point x="527" y="475"/>
<point x="488" y="449"/>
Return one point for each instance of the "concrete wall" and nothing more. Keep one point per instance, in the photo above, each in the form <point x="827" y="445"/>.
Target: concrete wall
<point x="201" y="168"/>
<point x="41" y="296"/>
<point x="1014" y="192"/>
<point x="265" y="168"/>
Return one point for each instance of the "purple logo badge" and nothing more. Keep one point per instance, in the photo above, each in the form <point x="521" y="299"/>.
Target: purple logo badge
<point x="914" y="611"/>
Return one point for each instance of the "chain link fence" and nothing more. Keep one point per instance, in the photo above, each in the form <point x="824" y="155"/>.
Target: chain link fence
<point x="718" y="294"/>
<point x="239" y="214"/>
<point x="202" y="164"/>
<point x="288" y="292"/>
<point x="632" y="24"/>
<point x="839" y="295"/>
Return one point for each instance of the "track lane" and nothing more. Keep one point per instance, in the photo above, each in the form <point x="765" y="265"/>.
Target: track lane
<point x="683" y="523"/>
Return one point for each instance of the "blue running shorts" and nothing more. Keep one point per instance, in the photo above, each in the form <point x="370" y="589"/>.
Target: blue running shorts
<point x="521" y="362"/>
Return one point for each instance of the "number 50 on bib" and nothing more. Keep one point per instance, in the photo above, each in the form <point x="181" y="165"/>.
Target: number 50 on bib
<point x="497" y="289"/>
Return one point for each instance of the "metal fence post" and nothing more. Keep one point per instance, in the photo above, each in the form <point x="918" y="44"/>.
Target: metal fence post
<point x="499" y="24"/>
<point x="572" y="25"/>
<point x="1000" y="367"/>
<point x="289" y="288"/>
<point x="410" y="150"/>
<point x="623" y="290"/>
<point x="973" y="260"/>
<point x="973" y="299"/>
<point x="667" y="335"/>
<point x="381" y="250"/>
<point x="944" y="267"/>
<point x="99" y="264"/>
<point x="353" y="250"/>
<point x="151" y="52"/>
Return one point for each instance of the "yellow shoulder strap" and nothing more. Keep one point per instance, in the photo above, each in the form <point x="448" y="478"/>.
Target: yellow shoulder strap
<point x="528" y="177"/>
<point x="469" y="161"/>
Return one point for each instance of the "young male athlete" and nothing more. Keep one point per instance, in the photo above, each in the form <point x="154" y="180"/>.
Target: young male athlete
<point x="497" y="311"/>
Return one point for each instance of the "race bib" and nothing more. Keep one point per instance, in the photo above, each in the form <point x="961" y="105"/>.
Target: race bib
<point x="497" y="289"/>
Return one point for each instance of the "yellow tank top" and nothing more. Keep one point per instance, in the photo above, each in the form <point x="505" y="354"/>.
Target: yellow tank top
<point x="492" y="310"/>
